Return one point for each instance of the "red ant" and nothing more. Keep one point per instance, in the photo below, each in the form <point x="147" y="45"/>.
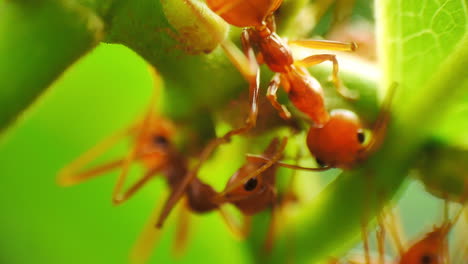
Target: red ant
<point x="157" y="153"/>
<point x="154" y="148"/>
<point x="304" y="91"/>
<point x="432" y="248"/>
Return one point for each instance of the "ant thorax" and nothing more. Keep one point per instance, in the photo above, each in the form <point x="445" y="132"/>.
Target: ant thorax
<point x="276" y="54"/>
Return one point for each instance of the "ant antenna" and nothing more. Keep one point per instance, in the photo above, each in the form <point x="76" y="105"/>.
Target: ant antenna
<point x="253" y="157"/>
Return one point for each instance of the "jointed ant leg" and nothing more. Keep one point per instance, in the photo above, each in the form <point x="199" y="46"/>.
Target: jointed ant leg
<point x="182" y="230"/>
<point x="319" y="58"/>
<point x="72" y="174"/>
<point x="325" y="44"/>
<point x="365" y="240"/>
<point x="248" y="67"/>
<point x="143" y="248"/>
<point x="395" y="229"/>
<point x="271" y="95"/>
<point x="380" y="235"/>
<point x="72" y="179"/>
<point x="232" y="224"/>
<point x="137" y="185"/>
<point x="117" y="196"/>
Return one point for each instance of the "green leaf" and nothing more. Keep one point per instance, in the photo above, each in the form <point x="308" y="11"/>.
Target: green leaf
<point x="39" y="40"/>
<point x="429" y="76"/>
<point x="444" y="170"/>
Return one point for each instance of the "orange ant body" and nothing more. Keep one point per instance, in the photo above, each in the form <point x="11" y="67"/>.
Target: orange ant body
<point x="336" y="139"/>
<point x="155" y="150"/>
<point x="432" y="248"/>
<point x="304" y="91"/>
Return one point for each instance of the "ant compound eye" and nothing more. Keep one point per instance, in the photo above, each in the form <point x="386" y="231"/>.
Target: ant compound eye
<point x="361" y="137"/>
<point x="159" y="140"/>
<point x="320" y="162"/>
<point x="251" y="184"/>
<point x="426" y="259"/>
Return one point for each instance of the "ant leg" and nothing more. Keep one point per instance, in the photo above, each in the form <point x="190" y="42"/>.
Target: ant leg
<point x="380" y="235"/>
<point x="319" y="58"/>
<point x="365" y="241"/>
<point x="247" y="224"/>
<point x="270" y="236"/>
<point x="137" y="185"/>
<point x="446" y="224"/>
<point x="242" y="180"/>
<point x="252" y="157"/>
<point x="271" y="95"/>
<point x="143" y="248"/>
<point x="325" y="44"/>
<point x="117" y="196"/>
<point x="72" y="174"/>
<point x="232" y="224"/>
<point x="395" y="229"/>
<point x="248" y="67"/>
<point x="182" y="230"/>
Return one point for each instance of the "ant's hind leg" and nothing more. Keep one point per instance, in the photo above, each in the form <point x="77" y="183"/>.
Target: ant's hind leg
<point x="143" y="247"/>
<point x="271" y="95"/>
<point x="319" y="58"/>
<point x="236" y="229"/>
<point x="182" y="230"/>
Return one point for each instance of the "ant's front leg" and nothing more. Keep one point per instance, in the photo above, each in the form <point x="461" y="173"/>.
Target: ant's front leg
<point x="271" y="95"/>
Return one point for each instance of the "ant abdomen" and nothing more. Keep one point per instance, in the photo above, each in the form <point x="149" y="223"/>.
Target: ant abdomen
<point x="244" y="13"/>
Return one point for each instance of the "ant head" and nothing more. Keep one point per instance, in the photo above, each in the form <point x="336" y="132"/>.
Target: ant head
<point x="257" y="193"/>
<point x="428" y="250"/>
<point x="339" y="142"/>
<point x="156" y="143"/>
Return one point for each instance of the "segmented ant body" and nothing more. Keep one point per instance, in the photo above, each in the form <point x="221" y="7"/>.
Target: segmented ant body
<point x="335" y="138"/>
<point x="155" y="150"/>
<point x="432" y="248"/>
<point x="304" y="91"/>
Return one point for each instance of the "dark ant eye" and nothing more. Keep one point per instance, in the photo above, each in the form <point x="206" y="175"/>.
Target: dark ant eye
<point x="250" y="184"/>
<point x="320" y="162"/>
<point x="361" y="136"/>
<point x="426" y="259"/>
<point x="160" y="141"/>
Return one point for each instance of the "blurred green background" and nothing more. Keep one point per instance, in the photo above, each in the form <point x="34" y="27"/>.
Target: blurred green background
<point x="105" y="91"/>
<point x="44" y="223"/>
